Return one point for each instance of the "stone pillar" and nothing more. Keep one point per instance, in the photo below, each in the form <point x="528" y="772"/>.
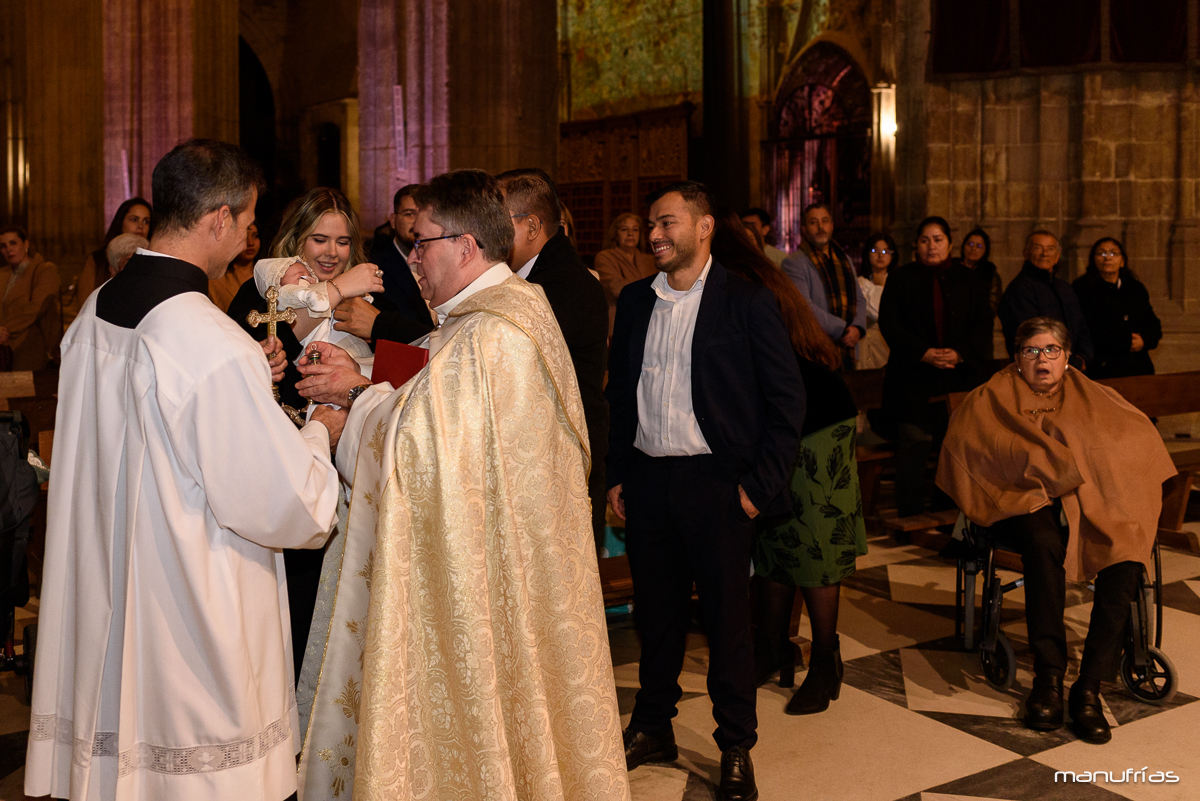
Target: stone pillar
<point x="170" y="73"/>
<point x="503" y="82"/>
<point x="426" y="88"/>
<point x="1184" y="252"/>
<point x="480" y="84"/>
<point x="726" y="158"/>
<point x="379" y="172"/>
<point x="64" y="129"/>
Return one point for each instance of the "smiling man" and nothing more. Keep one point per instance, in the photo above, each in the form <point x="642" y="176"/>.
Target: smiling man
<point x="469" y="545"/>
<point x="706" y="405"/>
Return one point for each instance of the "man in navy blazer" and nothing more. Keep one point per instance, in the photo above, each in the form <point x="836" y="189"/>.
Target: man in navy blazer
<point x="399" y="313"/>
<point x="706" y="405"/>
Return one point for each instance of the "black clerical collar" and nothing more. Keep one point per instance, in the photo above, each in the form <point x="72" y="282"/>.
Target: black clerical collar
<point x="146" y="281"/>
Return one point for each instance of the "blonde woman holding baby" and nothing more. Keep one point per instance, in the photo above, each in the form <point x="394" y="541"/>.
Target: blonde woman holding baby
<point x="321" y="233"/>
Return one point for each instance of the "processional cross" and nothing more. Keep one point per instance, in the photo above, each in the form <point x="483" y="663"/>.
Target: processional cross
<point x="272" y="318"/>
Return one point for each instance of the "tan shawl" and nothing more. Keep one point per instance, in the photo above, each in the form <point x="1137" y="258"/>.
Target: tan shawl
<point x="486" y="669"/>
<point x="1010" y="452"/>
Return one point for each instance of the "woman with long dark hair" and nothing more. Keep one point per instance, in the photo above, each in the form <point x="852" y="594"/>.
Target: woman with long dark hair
<point x="878" y="257"/>
<point x="134" y="216"/>
<point x="976" y="248"/>
<point x="1120" y="319"/>
<point x="814" y="547"/>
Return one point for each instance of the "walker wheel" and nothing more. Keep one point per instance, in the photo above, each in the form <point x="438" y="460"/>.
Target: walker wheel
<point x="999" y="666"/>
<point x="1154" y="684"/>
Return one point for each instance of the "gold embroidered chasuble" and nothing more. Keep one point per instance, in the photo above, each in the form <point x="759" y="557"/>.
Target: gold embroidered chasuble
<point x="468" y="655"/>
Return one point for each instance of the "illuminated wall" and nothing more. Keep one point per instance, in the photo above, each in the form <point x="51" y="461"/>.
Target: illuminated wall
<point x="622" y="57"/>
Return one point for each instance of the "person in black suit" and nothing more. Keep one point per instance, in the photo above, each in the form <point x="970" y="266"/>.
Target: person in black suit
<point x="400" y="313"/>
<point x="543" y="255"/>
<point x="936" y="316"/>
<point x="707" y="405"/>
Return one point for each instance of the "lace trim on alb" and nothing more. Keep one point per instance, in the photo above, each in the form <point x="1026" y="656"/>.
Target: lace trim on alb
<point x="161" y="759"/>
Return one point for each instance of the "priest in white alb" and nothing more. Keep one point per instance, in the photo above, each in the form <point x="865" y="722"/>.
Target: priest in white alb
<point x="164" y="655"/>
<point x="467" y="651"/>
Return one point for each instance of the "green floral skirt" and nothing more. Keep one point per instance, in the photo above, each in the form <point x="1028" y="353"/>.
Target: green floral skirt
<point x="818" y="543"/>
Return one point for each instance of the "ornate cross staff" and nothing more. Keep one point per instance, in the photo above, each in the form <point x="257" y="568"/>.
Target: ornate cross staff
<point x="272" y="318"/>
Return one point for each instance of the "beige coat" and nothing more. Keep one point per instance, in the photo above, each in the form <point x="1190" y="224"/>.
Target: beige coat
<point x="1010" y="452"/>
<point x="616" y="269"/>
<point x="31" y="313"/>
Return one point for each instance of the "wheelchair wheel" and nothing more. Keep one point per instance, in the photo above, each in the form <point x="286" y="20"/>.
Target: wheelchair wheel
<point x="1000" y="666"/>
<point x="1154" y="684"/>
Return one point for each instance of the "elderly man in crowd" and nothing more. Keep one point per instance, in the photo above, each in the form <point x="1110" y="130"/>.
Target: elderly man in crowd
<point x="1038" y="292"/>
<point x="824" y="275"/>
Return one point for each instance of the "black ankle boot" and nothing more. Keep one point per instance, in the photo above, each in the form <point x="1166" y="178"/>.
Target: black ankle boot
<point x="822" y="684"/>
<point x="1044" y="706"/>
<point x="1087" y="716"/>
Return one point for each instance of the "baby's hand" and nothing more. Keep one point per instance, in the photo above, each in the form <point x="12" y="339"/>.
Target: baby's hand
<point x="360" y="280"/>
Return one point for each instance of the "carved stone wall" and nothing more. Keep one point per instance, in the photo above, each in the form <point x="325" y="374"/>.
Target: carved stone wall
<point x="1082" y="154"/>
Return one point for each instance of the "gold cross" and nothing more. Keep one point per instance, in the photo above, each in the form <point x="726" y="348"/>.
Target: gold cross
<point x="273" y="315"/>
<point x="272" y="318"/>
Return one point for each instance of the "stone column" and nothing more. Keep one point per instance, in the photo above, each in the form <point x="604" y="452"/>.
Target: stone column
<point x="426" y="89"/>
<point x="1184" y="252"/>
<point x="378" y="171"/>
<point x="64" y="132"/>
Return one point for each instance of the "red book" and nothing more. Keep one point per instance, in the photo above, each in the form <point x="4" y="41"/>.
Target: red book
<point x="396" y="362"/>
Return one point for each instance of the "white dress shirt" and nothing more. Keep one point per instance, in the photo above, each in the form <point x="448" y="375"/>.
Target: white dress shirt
<point x="528" y="268"/>
<point x="666" y="421"/>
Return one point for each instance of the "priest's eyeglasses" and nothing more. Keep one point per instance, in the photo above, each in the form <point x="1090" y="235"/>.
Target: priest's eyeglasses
<point x="419" y="244"/>
<point x="1052" y="352"/>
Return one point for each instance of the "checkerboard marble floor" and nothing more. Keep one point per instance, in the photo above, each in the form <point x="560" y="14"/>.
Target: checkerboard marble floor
<point x="916" y="720"/>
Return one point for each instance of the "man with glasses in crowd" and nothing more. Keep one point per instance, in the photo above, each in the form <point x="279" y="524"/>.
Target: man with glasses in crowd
<point x="400" y="314"/>
<point x="1038" y="292"/>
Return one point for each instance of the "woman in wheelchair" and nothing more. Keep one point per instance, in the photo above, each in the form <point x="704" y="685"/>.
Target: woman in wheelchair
<point x="1068" y="474"/>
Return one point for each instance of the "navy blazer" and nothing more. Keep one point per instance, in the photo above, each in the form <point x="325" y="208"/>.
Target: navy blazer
<point x="747" y="393"/>
<point x="399" y="286"/>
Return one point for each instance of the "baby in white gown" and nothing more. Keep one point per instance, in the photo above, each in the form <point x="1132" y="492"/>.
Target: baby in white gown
<point x="299" y="289"/>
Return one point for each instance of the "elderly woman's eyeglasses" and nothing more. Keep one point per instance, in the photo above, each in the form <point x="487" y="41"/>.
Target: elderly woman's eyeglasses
<point x="1052" y="352"/>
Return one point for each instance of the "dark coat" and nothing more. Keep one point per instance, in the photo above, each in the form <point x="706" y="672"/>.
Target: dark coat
<point x="579" y="305"/>
<point x="907" y="323"/>
<point x="1114" y="314"/>
<point x="747" y="393"/>
<point x="1038" y="293"/>
<point x="399" y="286"/>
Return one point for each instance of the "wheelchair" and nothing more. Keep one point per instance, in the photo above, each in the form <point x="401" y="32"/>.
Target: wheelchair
<point x="1147" y="672"/>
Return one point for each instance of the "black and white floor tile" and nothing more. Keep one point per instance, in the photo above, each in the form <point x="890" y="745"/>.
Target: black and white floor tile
<point x="916" y="720"/>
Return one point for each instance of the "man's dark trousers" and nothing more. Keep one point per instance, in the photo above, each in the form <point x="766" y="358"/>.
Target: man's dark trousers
<point x="685" y="523"/>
